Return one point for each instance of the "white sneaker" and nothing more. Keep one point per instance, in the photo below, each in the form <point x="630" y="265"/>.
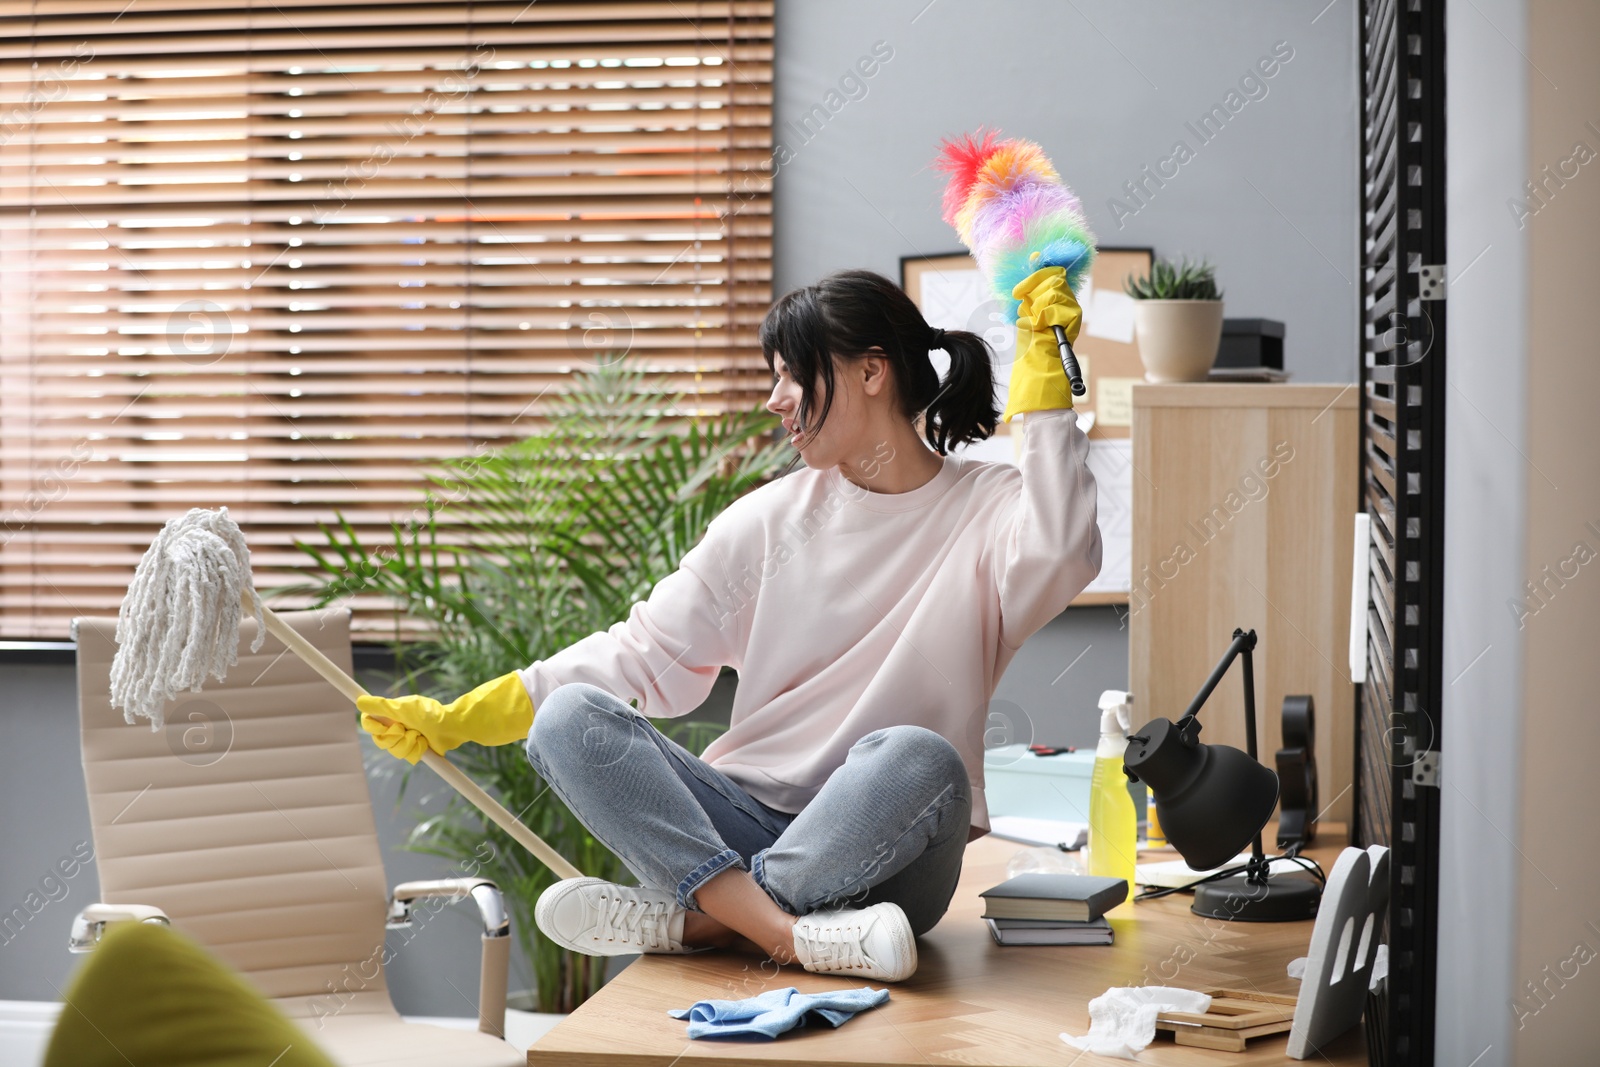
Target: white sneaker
<point x="872" y="942"/>
<point x="600" y="918"/>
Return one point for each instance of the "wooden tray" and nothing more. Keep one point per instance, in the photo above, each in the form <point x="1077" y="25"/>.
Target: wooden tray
<point x="1235" y="1017"/>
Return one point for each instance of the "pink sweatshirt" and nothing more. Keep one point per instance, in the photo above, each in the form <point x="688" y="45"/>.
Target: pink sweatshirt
<point x="844" y="611"/>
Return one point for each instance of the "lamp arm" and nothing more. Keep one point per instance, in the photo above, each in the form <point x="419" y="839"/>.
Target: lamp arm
<point x="1243" y="641"/>
<point x="1249" y="697"/>
<point x="1259" y="868"/>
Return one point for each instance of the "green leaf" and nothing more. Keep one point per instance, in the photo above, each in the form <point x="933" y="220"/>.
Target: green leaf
<point x="1167" y="280"/>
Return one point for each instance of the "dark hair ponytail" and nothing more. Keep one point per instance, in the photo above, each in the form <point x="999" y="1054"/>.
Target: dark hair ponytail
<point x="850" y="312"/>
<point x="963" y="409"/>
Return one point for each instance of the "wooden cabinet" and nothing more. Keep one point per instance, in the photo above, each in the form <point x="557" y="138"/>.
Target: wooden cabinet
<point x="1244" y="499"/>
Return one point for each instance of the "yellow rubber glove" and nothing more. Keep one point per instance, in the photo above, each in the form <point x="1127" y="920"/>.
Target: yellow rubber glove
<point x="1038" y="381"/>
<point x="498" y="712"/>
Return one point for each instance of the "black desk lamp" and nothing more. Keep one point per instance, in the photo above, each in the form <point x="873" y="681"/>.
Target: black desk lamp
<point x="1214" y="800"/>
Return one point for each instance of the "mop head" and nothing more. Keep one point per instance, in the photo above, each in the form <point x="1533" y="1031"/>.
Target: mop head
<point x="1013" y="212"/>
<point x="180" y="619"/>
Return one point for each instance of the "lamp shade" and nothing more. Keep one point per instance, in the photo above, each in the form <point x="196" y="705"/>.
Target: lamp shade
<point x="1213" y="799"/>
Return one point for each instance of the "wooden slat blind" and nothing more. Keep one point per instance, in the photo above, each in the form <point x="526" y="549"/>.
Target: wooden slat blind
<point x="281" y="256"/>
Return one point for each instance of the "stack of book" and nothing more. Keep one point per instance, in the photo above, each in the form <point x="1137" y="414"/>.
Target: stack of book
<point x="1052" y="909"/>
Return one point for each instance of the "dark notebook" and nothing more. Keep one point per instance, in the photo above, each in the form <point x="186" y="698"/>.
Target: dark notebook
<point x="1041" y="895"/>
<point x="1047" y="932"/>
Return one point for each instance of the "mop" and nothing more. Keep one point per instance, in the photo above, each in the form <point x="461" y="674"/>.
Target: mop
<point x="179" y="624"/>
<point x="1014" y="213"/>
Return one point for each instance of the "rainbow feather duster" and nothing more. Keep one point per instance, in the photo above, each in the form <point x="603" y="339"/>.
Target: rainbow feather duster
<point x="1012" y="211"/>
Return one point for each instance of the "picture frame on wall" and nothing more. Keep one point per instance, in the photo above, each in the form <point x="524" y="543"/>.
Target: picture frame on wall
<point x="952" y="296"/>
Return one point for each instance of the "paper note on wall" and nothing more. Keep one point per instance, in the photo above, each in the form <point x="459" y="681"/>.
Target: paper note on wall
<point x="959" y="300"/>
<point x="1109" y="314"/>
<point x="1113" y="401"/>
<point x="1111" y="463"/>
<point x="949" y="297"/>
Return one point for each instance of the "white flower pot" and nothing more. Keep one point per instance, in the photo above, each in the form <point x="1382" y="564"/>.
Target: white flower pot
<point x="1178" y="339"/>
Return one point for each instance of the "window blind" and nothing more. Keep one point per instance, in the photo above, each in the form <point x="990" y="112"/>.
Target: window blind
<point x="281" y="257"/>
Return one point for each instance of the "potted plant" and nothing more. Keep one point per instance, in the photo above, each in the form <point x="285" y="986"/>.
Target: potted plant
<point x="548" y="540"/>
<point x="1177" y="320"/>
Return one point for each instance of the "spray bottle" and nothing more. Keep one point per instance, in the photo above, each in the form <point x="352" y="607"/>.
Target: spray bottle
<point x="1113" y="824"/>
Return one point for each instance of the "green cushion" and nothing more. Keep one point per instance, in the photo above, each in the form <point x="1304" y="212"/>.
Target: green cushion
<point x="150" y="997"/>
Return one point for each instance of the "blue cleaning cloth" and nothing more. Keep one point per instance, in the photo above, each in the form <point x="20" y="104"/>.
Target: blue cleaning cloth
<point x="777" y="1010"/>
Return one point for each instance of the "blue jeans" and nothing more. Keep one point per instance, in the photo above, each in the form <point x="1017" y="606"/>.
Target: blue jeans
<point x="889" y="825"/>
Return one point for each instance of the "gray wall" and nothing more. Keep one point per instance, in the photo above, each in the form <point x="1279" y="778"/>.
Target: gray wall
<point x="45" y="816"/>
<point x="1483" y="544"/>
<point x="1107" y="89"/>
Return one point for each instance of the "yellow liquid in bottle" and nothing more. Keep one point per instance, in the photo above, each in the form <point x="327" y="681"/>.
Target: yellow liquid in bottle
<point x="1113" y="824"/>
<point x="1152" y="817"/>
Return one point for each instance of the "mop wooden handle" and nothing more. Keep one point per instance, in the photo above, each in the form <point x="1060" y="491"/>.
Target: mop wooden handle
<point x="469" y="790"/>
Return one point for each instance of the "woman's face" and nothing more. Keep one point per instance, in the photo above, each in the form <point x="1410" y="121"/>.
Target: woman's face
<point x="837" y="439"/>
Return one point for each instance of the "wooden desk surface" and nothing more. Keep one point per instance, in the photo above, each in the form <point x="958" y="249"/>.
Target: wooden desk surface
<point x="971" y="1001"/>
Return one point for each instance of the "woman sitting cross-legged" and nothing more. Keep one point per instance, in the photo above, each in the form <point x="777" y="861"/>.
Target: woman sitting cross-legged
<point x="869" y="600"/>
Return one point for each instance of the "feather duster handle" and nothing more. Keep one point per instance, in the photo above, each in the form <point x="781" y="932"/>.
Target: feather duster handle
<point x="180" y="619"/>
<point x="1013" y="212"/>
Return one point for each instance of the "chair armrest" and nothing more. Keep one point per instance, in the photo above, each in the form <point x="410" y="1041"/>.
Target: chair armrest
<point x="491" y="903"/>
<point x="90" y="924"/>
<point x="496" y="937"/>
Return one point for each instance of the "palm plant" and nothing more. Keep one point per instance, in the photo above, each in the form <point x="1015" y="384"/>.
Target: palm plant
<point x="548" y="540"/>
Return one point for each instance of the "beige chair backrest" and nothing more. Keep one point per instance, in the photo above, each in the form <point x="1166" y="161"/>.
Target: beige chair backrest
<point x="247" y="818"/>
